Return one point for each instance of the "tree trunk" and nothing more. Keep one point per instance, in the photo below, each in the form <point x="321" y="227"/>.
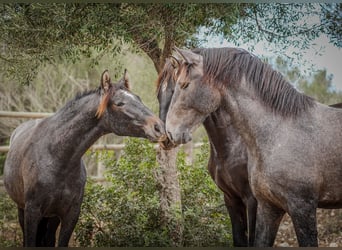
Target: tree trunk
<point x="167" y="174"/>
<point x="170" y="194"/>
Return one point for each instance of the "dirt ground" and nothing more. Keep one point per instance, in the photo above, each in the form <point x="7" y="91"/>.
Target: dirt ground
<point x="329" y="226"/>
<point x="329" y="230"/>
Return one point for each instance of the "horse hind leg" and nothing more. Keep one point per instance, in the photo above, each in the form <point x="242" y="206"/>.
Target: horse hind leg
<point x="50" y="235"/>
<point x="41" y="231"/>
<point x="46" y="233"/>
<point x="252" y="213"/>
<point x="238" y="218"/>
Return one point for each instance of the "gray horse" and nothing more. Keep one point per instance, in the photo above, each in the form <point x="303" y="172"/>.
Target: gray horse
<point x="294" y="143"/>
<point x="44" y="173"/>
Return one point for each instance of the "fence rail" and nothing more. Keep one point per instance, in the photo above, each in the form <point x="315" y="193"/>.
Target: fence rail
<point x="34" y="115"/>
<point x="4" y="149"/>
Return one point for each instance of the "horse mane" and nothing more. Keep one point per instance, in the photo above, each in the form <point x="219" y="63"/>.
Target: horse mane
<point x="167" y="72"/>
<point x="103" y="103"/>
<point x="164" y="75"/>
<point x="226" y="66"/>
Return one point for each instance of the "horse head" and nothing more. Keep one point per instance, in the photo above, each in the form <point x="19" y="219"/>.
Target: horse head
<point x="193" y="99"/>
<point x="123" y="112"/>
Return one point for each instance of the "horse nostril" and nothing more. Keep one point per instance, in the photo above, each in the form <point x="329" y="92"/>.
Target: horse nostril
<point x="157" y="128"/>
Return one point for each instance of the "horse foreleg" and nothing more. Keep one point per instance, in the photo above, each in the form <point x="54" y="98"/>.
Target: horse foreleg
<point x="67" y="226"/>
<point x="304" y="222"/>
<point x="41" y="231"/>
<point x="31" y="220"/>
<point x="267" y="224"/>
<point x="21" y="216"/>
<point x="51" y="228"/>
<point x="238" y="218"/>
<point x="252" y="213"/>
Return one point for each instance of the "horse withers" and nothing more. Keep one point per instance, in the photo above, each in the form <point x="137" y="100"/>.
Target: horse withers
<point x="294" y="143"/>
<point x="44" y="173"/>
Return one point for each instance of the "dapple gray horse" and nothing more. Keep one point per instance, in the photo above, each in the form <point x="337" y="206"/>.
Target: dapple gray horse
<point x="294" y="143"/>
<point x="44" y="173"/>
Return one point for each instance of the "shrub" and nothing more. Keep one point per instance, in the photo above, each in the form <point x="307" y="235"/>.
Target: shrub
<point x="126" y="211"/>
<point x="10" y="232"/>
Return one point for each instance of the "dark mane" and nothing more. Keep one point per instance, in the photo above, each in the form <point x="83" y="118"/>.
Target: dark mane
<point x="80" y="95"/>
<point x="226" y="66"/>
<point x="164" y="75"/>
<point x="168" y="69"/>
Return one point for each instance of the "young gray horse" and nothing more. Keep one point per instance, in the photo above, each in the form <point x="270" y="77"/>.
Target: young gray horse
<point x="44" y="173"/>
<point x="294" y="143"/>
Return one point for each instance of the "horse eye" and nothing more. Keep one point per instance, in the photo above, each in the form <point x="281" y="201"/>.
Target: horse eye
<point x="120" y="104"/>
<point x="185" y="85"/>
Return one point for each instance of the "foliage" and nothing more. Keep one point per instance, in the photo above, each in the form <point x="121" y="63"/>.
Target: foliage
<point x="206" y="220"/>
<point x="319" y="86"/>
<point x="126" y="212"/>
<point x="38" y="33"/>
<point x="33" y="34"/>
<point x="332" y="17"/>
<point x="10" y="232"/>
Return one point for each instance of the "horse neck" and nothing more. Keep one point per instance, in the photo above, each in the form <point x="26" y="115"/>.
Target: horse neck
<point x="75" y="126"/>
<point x="253" y="121"/>
<point x="220" y="135"/>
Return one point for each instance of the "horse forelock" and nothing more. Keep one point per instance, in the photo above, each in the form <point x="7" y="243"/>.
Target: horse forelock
<point x="225" y="66"/>
<point x="104" y="102"/>
<point x="164" y="76"/>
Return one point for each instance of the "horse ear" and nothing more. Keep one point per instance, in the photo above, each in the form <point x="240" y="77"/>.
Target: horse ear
<point x="126" y="81"/>
<point x="174" y="62"/>
<point x="188" y="56"/>
<point x="105" y="81"/>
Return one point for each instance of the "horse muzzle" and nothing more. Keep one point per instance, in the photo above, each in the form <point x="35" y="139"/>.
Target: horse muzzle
<point x="154" y="130"/>
<point x="179" y="138"/>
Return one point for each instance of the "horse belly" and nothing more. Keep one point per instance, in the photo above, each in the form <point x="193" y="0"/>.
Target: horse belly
<point x="17" y="158"/>
<point x="330" y="195"/>
<point x="13" y="180"/>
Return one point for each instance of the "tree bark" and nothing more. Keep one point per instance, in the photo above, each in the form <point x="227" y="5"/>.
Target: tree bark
<point x="170" y="194"/>
<point x="167" y="174"/>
